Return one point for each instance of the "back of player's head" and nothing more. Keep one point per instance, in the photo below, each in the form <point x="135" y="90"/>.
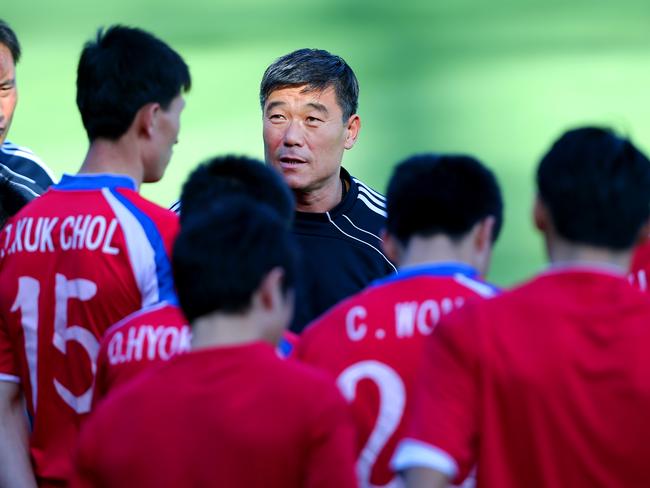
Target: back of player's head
<point x="225" y="176"/>
<point x="8" y="38"/>
<point x="121" y="71"/>
<point x="316" y="68"/>
<point x="432" y="194"/>
<point x="596" y="188"/>
<point x="222" y="254"/>
<point x="12" y="199"/>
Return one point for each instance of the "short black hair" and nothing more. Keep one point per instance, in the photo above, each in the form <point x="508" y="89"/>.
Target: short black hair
<point x="228" y="175"/>
<point x="596" y="187"/>
<point x="121" y="71"/>
<point x="12" y="199"/>
<point x="222" y="254"/>
<point x="9" y="39"/>
<point x="432" y="194"/>
<point x="318" y="69"/>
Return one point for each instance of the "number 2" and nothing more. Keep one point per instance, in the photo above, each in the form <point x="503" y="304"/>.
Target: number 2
<point x="392" y="399"/>
<point x="27" y="302"/>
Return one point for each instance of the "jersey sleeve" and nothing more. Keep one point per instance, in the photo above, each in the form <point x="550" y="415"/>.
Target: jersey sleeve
<point x="8" y="360"/>
<point x="331" y="458"/>
<point x="443" y="433"/>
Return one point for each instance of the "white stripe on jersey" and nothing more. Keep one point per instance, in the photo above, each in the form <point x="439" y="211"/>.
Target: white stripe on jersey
<point x="176" y="206"/>
<point x="372" y="207"/>
<point x="14" y="150"/>
<point x="486" y="291"/>
<point x="9" y="378"/>
<point x="360" y="240"/>
<point x="359" y="228"/>
<point x="18" y="175"/>
<point x="375" y="193"/>
<point x="411" y="453"/>
<point x="20" y="185"/>
<point x="141" y="253"/>
<point x="379" y="202"/>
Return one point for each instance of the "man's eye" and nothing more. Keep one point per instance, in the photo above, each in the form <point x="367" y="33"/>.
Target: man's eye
<point x="276" y="117"/>
<point x="313" y="119"/>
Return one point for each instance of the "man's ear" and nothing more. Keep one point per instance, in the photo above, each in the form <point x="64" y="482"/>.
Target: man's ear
<point x="483" y="236"/>
<point x="146" y="119"/>
<point x="391" y="246"/>
<point x="540" y="215"/>
<point x="270" y="289"/>
<point x="353" y="127"/>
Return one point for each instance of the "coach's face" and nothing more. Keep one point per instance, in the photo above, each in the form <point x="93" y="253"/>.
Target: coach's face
<point x="305" y="136"/>
<point x="8" y="91"/>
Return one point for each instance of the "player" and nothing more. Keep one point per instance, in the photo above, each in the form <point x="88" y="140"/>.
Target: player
<point x="156" y="333"/>
<point x="18" y="164"/>
<point x="89" y="251"/>
<point x="243" y="416"/>
<point x="309" y="109"/>
<point x="547" y="384"/>
<point x="444" y="214"/>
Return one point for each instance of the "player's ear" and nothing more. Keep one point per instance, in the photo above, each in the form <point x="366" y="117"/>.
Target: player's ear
<point x="540" y="215"/>
<point x="270" y="289"/>
<point x="146" y="119"/>
<point x="391" y="246"/>
<point x="484" y="231"/>
<point x="352" y="128"/>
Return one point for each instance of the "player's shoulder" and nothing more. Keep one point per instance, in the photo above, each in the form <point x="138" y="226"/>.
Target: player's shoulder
<point x="148" y="207"/>
<point x="162" y="310"/>
<point x="332" y="323"/>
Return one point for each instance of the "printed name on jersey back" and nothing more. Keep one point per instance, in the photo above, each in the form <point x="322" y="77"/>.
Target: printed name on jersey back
<point x="76" y="232"/>
<point x="156" y="342"/>
<point x="409" y="318"/>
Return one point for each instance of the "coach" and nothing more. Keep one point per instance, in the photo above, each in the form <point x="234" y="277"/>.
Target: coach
<point x="25" y="172"/>
<point x="309" y="104"/>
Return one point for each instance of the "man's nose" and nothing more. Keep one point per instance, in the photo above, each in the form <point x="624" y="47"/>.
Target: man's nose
<point x="293" y="135"/>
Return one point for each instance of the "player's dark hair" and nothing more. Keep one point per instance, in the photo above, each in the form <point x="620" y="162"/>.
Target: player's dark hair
<point x="222" y="254"/>
<point x="9" y="39"/>
<point x="432" y="194"/>
<point x="229" y="175"/>
<point x="121" y="71"/>
<point x="596" y="187"/>
<point x="316" y="68"/>
<point x="12" y="199"/>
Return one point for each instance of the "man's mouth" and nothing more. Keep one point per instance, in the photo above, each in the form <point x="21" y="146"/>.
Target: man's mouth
<point x="288" y="161"/>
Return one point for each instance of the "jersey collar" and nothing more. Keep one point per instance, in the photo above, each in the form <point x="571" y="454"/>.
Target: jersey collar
<point x="438" y="269"/>
<point x="94" y="182"/>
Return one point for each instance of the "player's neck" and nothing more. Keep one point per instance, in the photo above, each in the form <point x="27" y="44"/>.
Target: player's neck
<point x="565" y="253"/>
<point x="433" y="250"/>
<point x="320" y="200"/>
<point x="219" y="329"/>
<point x="115" y="157"/>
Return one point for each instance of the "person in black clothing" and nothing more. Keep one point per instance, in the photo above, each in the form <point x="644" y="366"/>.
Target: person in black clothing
<point x="25" y="172"/>
<point x="309" y="104"/>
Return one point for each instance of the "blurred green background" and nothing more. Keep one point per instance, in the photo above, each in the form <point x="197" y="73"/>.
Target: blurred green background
<point x="497" y="79"/>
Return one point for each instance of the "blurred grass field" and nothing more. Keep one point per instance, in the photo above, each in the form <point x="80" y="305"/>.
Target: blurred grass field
<point x="498" y="80"/>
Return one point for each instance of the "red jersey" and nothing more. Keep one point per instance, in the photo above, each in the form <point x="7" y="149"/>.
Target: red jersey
<point x="73" y="262"/>
<point x="372" y="344"/>
<point x="146" y="337"/>
<point x="227" y="416"/>
<point x="545" y="385"/>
